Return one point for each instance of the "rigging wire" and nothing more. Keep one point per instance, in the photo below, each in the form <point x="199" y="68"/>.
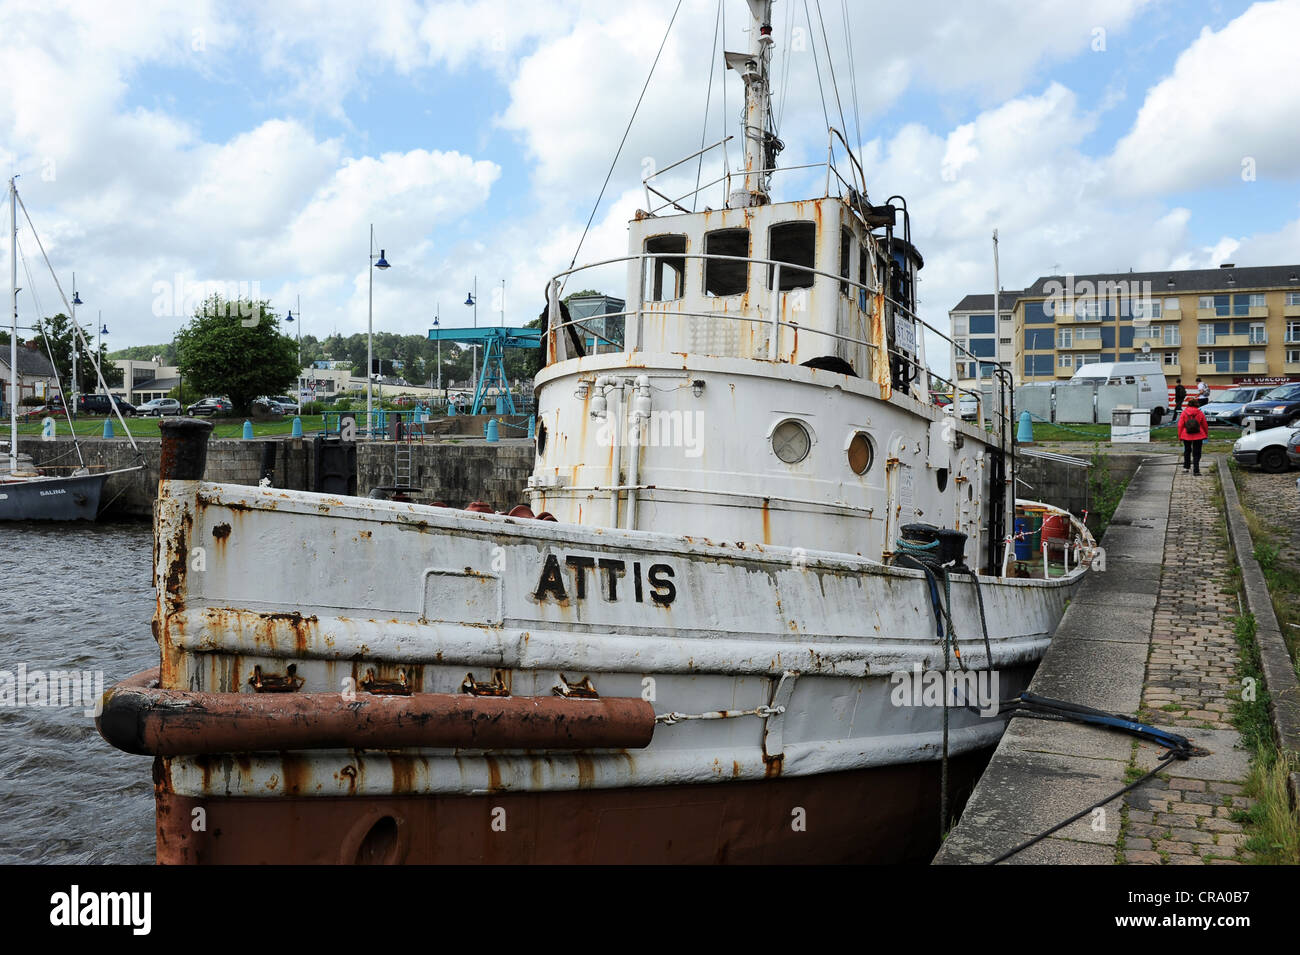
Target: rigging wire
<point x="621" y="143"/>
<point x="726" y="158"/>
<point x="853" y="75"/>
<point x="785" y="67"/>
<point x="816" y="65"/>
<point x="49" y="350"/>
<point x="830" y="65"/>
<point x="704" y="130"/>
<point x="99" y="372"/>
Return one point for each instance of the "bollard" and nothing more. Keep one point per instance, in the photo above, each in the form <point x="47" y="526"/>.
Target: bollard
<point x="492" y="430"/>
<point x="1025" y="432"/>
<point x="297" y="427"/>
<point x="248" y="431"/>
<point x="451" y="409"/>
<point x="108" y="427"/>
<point x="501" y="404"/>
<point x="532" y="426"/>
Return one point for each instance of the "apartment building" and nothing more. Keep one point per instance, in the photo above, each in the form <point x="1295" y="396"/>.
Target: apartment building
<point x="1230" y="325"/>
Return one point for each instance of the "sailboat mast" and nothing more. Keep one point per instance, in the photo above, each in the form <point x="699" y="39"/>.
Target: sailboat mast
<point x="753" y="69"/>
<point x="13" y="333"/>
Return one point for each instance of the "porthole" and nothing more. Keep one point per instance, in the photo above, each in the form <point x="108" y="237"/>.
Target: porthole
<point x="860" y="454"/>
<point x="541" y="438"/>
<point x="791" y="442"/>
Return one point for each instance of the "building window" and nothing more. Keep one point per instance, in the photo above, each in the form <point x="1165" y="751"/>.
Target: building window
<point x="1066" y="361"/>
<point x="1242" y="304"/>
<point x="1004" y="341"/>
<point x="1171" y="358"/>
<point x="1293" y="356"/>
<point x="1205" y="358"/>
<point x="1217" y="303"/>
<point x="1145" y="308"/>
<point x="1064" y="339"/>
<point x="958" y="326"/>
<point x="1006" y="316"/>
<point x="1205" y="335"/>
<point x="1293" y="298"/>
<point x="794" y="243"/>
<point x="666" y="273"/>
<point x="1171" y="305"/>
<point x="1293" y="333"/>
<point x="1088" y="360"/>
<point x="722" y="277"/>
<point x="1258" y="336"/>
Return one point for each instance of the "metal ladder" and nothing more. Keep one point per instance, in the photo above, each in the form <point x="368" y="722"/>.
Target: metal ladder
<point x="402" y="459"/>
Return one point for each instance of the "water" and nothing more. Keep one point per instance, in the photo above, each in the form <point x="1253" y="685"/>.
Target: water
<point x="73" y="597"/>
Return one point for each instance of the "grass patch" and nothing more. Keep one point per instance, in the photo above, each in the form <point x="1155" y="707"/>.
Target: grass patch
<point x="1104" y="494"/>
<point x="148" y="427"/>
<point x="1272" y="826"/>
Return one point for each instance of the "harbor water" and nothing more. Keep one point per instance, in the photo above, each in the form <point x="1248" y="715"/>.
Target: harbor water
<point x="73" y="598"/>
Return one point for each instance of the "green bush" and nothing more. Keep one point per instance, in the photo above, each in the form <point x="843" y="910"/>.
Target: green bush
<point x="311" y="407"/>
<point x="31" y="401"/>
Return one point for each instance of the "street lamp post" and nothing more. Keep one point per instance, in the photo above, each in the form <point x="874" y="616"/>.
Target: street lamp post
<point x="290" y="319"/>
<point x="472" y="299"/>
<point x="380" y="263"/>
<point x="76" y="300"/>
<point x="437" y="313"/>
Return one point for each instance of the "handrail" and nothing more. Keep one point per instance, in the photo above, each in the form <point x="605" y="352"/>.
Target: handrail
<point x="777" y="264"/>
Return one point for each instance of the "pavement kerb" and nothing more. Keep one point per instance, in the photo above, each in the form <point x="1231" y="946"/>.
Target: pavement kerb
<point x="1279" y="672"/>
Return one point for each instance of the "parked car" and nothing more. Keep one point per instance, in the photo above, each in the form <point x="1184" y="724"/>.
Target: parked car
<point x="1266" y="449"/>
<point x="39" y="411"/>
<point x="1293" y="449"/>
<point x="289" y="405"/>
<point x="1279" y="407"/>
<point x="103" y="405"/>
<point x="268" y="405"/>
<point x="210" y="406"/>
<point x="1225" y="409"/>
<point x="160" y="407"/>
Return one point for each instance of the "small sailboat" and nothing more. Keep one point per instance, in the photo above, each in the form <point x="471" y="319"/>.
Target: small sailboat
<point x="26" y="493"/>
<point x="754" y="545"/>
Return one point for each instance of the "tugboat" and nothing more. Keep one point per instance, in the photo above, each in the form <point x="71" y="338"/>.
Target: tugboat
<point x="752" y="533"/>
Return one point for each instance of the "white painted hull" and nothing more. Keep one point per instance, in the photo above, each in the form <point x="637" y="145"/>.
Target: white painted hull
<point x="251" y="577"/>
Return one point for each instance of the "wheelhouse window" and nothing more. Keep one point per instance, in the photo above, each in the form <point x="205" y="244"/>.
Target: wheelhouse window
<point x="666" y="274"/>
<point x="794" y="243"/>
<point x="721" y="277"/>
<point x="846" y="258"/>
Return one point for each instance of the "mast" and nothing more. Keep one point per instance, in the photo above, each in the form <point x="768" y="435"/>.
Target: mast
<point x="753" y="69"/>
<point x="13" y="333"/>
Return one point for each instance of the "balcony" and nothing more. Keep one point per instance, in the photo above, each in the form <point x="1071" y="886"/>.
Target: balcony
<point x="1166" y="315"/>
<point x="1291" y="311"/>
<point x="1232" y="341"/>
<point x="1081" y="344"/>
<point x="1291" y="367"/>
<point x="1172" y="371"/>
<point x="1233" y="368"/>
<point x="1158" y="338"/>
<point x="1065" y="372"/>
<point x="1209" y="313"/>
<point x="1071" y="318"/>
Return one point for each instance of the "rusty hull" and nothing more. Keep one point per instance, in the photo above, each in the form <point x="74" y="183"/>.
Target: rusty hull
<point x="887" y="814"/>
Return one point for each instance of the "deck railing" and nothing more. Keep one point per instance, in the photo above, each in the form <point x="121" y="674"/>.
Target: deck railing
<point x="863" y="293"/>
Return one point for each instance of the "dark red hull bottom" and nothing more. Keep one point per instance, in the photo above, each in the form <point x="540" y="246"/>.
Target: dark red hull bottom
<point x="884" y="815"/>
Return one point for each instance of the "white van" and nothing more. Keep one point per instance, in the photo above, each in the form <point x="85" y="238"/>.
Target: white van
<point x="1149" y="376"/>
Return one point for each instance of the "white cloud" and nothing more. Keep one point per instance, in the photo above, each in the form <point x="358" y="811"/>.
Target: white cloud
<point x="1233" y="95"/>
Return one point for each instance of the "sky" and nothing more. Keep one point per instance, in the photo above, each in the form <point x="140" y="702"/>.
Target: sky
<point x="163" y="144"/>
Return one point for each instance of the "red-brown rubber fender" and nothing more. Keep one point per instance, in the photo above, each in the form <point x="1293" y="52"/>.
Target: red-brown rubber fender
<point x="139" y="717"/>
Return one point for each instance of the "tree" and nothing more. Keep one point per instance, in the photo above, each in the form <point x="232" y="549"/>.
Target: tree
<point x="236" y="349"/>
<point x="56" y="333"/>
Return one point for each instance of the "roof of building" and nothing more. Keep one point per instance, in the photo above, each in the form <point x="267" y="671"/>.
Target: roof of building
<point x="983" y="301"/>
<point x="31" y="363"/>
<point x="1222" y="279"/>
<point x="157" y="384"/>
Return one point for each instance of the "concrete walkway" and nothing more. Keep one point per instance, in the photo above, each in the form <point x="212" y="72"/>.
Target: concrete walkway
<point x="1148" y="636"/>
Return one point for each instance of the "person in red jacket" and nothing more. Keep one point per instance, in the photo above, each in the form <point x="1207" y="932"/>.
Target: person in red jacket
<point x="1192" y="431"/>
